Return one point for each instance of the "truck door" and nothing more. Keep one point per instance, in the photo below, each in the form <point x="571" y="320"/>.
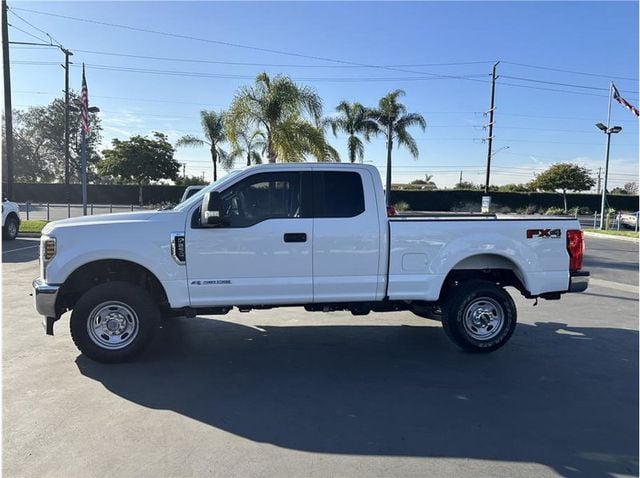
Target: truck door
<point x="262" y="252"/>
<point x="346" y="237"/>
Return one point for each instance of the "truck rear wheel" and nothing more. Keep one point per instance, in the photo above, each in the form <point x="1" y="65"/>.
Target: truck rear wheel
<point x="479" y="316"/>
<point x="114" y="321"/>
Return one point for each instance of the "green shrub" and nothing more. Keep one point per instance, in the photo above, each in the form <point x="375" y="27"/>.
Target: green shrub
<point x="504" y="210"/>
<point x="554" y="211"/>
<point x="530" y="209"/>
<point x="401" y="206"/>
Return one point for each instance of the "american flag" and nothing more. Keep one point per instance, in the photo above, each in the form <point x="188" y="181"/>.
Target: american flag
<point x="623" y="102"/>
<point x="84" y="107"/>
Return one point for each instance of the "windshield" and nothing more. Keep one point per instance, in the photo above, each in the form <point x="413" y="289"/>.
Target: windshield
<point x="197" y="197"/>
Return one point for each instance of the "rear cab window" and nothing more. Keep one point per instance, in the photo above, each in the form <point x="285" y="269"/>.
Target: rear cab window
<point x="337" y="194"/>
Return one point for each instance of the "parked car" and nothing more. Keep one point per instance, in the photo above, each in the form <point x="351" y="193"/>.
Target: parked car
<point x="312" y="235"/>
<point x="10" y="219"/>
<point x="190" y="191"/>
<point x="629" y="220"/>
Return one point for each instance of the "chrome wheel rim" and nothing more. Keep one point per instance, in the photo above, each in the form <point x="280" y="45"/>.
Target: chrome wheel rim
<point x="12" y="229"/>
<point x="112" y="325"/>
<point x="483" y="318"/>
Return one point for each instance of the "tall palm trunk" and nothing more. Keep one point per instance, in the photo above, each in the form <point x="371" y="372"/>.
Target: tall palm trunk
<point x="388" y="181"/>
<point x="214" y="158"/>
<point x="248" y="156"/>
<point x="352" y="149"/>
<point x="271" y="154"/>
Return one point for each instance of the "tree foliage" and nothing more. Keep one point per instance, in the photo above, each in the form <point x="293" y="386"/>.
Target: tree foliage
<point x="564" y="177"/>
<point x="514" y="188"/>
<point x="214" y="133"/>
<point x="467" y="186"/>
<point x="248" y="146"/>
<point x="140" y="160"/>
<point x="354" y="120"/>
<point x="391" y="112"/>
<point x="39" y="145"/>
<point x="190" y="181"/>
<point x="288" y="114"/>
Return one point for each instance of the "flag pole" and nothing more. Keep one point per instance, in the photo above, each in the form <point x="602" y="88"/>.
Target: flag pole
<point x="83" y="160"/>
<point x="603" y="200"/>
<point x="610" y="97"/>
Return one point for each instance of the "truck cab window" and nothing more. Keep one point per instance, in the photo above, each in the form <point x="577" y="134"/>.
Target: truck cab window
<point x="261" y="197"/>
<point x="337" y="194"/>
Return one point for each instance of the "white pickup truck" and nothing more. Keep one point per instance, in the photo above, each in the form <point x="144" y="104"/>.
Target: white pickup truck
<point x="313" y="235"/>
<point x="10" y="219"/>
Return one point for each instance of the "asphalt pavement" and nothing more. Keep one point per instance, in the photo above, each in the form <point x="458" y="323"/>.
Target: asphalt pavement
<point x="291" y="393"/>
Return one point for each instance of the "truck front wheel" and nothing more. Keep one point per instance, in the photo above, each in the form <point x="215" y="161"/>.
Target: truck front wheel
<point x="479" y="316"/>
<point x="114" y="321"/>
<point x="10" y="229"/>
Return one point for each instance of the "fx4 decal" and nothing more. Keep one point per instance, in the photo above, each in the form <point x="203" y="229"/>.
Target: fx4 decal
<point x="547" y="233"/>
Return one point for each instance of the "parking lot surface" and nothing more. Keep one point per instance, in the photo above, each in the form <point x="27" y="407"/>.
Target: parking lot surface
<point x="291" y="393"/>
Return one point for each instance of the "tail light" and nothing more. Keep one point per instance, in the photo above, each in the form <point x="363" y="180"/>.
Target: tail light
<point x="575" y="247"/>
<point x="391" y="211"/>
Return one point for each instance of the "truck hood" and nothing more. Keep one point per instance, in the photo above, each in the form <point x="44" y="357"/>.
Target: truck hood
<point x="100" y="219"/>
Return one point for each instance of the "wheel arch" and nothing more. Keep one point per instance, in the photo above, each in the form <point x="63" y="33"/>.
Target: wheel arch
<point x="11" y="215"/>
<point x="96" y="272"/>
<point x="486" y="266"/>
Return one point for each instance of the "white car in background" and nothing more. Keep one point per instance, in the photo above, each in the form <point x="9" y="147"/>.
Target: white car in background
<point x="629" y="220"/>
<point x="10" y="219"/>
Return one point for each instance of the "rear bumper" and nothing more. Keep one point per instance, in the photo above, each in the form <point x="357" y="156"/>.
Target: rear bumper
<point x="578" y="281"/>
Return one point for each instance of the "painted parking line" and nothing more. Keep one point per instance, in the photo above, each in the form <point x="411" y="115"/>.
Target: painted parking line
<point x="614" y="285"/>
<point x="20" y="249"/>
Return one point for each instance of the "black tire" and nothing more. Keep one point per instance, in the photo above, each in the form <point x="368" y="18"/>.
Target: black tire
<point x="126" y="305"/>
<point x="484" y="301"/>
<point x="10" y="229"/>
<point x="432" y="312"/>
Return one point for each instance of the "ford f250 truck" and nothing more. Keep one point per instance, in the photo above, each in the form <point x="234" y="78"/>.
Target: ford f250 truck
<point x="313" y="235"/>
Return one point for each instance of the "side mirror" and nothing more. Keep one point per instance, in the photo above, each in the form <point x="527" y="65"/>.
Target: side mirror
<point x="211" y="210"/>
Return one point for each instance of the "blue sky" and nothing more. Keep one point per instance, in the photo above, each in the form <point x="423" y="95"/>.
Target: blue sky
<point x="538" y="126"/>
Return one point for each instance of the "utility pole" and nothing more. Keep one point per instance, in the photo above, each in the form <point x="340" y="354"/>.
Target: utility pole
<point x="184" y="170"/>
<point x="460" y="182"/>
<point x="490" y="139"/>
<point x="598" y="187"/>
<point x="67" y="54"/>
<point x="389" y="148"/>
<point x="8" y="113"/>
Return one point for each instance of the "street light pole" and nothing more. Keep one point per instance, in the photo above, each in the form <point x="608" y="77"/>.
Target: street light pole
<point x="67" y="54"/>
<point x="608" y="131"/>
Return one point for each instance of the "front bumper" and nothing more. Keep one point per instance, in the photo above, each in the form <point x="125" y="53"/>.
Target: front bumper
<point x="45" y="297"/>
<point x="578" y="281"/>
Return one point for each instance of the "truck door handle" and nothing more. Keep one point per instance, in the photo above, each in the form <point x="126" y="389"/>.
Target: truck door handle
<point x="295" y="237"/>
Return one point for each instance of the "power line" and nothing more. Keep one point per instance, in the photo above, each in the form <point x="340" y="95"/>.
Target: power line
<point x="572" y="85"/>
<point x="199" y="74"/>
<point x="36" y="28"/>
<point x="570" y="71"/>
<point x="237" y="45"/>
<point x="275" y="65"/>
<point x="27" y="33"/>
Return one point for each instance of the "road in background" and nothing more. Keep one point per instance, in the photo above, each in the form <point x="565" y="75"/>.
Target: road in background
<point x="291" y="393"/>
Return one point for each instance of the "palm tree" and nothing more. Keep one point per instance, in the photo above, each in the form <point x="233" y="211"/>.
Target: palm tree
<point x="214" y="133"/>
<point x="393" y="121"/>
<point x="288" y="113"/>
<point x="247" y="146"/>
<point x="354" y="119"/>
